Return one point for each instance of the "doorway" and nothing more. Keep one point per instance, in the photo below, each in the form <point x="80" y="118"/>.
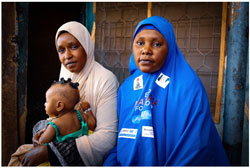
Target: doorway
<point x="43" y="63"/>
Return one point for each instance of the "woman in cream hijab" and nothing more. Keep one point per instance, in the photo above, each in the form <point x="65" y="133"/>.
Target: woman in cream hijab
<point x="98" y="86"/>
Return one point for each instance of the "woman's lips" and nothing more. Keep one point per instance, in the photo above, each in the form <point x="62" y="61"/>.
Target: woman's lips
<point x="145" y="62"/>
<point x="71" y="64"/>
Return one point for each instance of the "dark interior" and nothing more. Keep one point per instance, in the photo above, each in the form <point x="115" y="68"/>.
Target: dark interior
<point x="43" y="63"/>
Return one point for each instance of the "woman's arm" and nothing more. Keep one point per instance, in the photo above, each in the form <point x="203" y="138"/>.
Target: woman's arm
<point x="39" y="154"/>
<point x="111" y="158"/>
<point x="36" y="156"/>
<point x="94" y="147"/>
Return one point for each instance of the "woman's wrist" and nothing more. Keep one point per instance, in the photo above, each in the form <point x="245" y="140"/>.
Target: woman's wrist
<point x="87" y="110"/>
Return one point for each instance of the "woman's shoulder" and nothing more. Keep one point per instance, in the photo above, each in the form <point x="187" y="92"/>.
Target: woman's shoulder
<point x="103" y="73"/>
<point x="102" y="77"/>
<point x="187" y="76"/>
<point x="128" y="83"/>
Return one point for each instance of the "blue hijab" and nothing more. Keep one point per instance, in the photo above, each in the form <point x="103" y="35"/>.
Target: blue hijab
<point x="164" y="117"/>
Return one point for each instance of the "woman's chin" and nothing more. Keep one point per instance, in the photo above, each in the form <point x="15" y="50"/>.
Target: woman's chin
<point x="73" y="69"/>
<point x="146" y="70"/>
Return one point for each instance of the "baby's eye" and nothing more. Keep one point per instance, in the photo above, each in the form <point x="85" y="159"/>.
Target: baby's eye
<point x="140" y="43"/>
<point x="157" y="44"/>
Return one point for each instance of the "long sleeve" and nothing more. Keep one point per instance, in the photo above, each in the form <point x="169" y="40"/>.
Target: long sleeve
<point x="111" y="158"/>
<point x="94" y="147"/>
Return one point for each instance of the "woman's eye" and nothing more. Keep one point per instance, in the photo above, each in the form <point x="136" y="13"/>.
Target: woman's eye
<point x="61" y="50"/>
<point x="156" y="44"/>
<point x="74" y="47"/>
<point x="140" y="43"/>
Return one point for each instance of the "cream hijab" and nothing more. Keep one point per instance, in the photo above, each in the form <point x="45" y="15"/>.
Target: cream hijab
<point x="82" y="35"/>
<point x="99" y="87"/>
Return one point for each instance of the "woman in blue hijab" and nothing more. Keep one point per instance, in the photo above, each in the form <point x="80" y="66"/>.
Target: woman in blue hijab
<point x="163" y="108"/>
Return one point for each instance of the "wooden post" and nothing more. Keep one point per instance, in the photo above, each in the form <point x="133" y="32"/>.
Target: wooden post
<point x="221" y="64"/>
<point x="94" y="26"/>
<point x="149" y="14"/>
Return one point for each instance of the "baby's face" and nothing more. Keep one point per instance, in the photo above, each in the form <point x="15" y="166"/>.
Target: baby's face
<point x="50" y="104"/>
<point x="150" y="50"/>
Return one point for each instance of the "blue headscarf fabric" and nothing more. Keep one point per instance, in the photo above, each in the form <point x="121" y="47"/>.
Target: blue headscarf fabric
<point x="145" y="27"/>
<point x="164" y="117"/>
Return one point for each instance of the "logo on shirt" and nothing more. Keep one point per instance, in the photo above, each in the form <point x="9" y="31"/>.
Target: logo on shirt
<point x="162" y="80"/>
<point x="138" y="83"/>
<point x="128" y="133"/>
<point x="143" y="108"/>
<point x="147" y="131"/>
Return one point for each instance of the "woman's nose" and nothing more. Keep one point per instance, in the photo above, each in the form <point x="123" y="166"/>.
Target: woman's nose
<point x="68" y="54"/>
<point x="146" y="50"/>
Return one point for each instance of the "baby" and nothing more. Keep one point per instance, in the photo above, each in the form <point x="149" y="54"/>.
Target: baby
<point x="64" y="121"/>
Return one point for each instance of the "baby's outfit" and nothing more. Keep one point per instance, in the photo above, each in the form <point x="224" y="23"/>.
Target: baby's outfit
<point x="79" y="133"/>
<point x="23" y="149"/>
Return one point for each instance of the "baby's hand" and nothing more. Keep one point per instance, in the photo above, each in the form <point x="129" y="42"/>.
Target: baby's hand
<point x="37" y="136"/>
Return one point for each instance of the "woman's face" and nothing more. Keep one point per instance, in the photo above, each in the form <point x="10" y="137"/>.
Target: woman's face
<point x="71" y="53"/>
<point x="150" y="50"/>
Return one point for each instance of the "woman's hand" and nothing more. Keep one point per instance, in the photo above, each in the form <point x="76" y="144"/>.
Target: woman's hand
<point x="88" y="117"/>
<point x="36" y="156"/>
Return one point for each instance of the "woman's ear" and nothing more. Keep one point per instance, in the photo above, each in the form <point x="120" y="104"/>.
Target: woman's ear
<point x="60" y="105"/>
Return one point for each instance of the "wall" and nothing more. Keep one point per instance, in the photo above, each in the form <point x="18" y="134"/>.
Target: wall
<point x="197" y="27"/>
<point x="9" y="90"/>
